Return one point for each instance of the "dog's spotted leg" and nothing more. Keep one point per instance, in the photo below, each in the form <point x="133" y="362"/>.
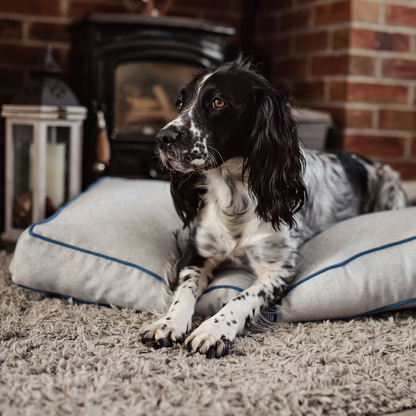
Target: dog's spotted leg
<point x="177" y="322"/>
<point x="215" y="336"/>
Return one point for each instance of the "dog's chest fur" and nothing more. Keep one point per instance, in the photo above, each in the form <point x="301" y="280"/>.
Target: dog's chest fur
<point x="227" y="225"/>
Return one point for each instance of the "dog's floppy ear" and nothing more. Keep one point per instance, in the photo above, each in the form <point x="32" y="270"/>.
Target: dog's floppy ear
<point x="274" y="161"/>
<point x="186" y="194"/>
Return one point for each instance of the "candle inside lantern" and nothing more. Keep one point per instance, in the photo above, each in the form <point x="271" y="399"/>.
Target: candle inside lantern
<point x="55" y="168"/>
<point x="55" y="173"/>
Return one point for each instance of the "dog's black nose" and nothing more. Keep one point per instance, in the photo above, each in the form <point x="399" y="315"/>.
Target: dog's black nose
<point x="167" y="136"/>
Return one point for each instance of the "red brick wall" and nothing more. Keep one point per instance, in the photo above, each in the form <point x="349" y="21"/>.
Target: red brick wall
<point x="25" y="26"/>
<point x="355" y="59"/>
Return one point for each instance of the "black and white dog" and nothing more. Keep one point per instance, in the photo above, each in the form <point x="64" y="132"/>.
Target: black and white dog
<point x="250" y="193"/>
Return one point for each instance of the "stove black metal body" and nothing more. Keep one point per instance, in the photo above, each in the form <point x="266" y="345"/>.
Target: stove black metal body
<point x="131" y="67"/>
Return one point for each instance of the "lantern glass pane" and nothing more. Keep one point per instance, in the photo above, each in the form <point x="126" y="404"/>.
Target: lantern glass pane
<point x="57" y="168"/>
<point x="23" y="152"/>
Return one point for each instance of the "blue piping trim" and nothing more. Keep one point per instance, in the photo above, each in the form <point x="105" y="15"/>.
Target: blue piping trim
<point x="82" y="250"/>
<point x="383" y="308"/>
<point x="343" y="263"/>
<point x="60" y="295"/>
<point x="238" y="289"/>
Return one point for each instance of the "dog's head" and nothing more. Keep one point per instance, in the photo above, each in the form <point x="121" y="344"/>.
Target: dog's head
<point x="215" y="115"/>
<point x="227" y="112"/>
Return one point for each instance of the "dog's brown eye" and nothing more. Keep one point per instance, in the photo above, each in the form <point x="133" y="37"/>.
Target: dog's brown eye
<point x="218" y="103"/>
<point x="179" y="104"/>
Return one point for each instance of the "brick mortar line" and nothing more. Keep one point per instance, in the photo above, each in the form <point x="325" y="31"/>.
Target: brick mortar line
<point x="355" y="24"/>
<point x="408" y="147"/>
<point x="351" y="52"/>
<point x="412" y="44"/>
<point x="384" y="27"/>
<point x="306" y="6"/>
<point x="291" y="47"/>
<point x="375" y="119"/>
<point x="361" y="79"/>
<point x="412" y="96"/>
<point x="360" y="105"/>
<point x="313" y="54"/>
<point x="388" y="81"/>
<point x="382" y="54"/>
<point x="327" y="91"/>
<point x="306" y="30"/>
<point x="330" y="37"/>
<point x="25" y="30"/>
<point x="382" y="15"/>
<point x="332" y="27"/>
<point x="369" y="106"/>
<point x="399" y="2"/>
<point x="64" y="7"/>
<point x="37" y="18"/>
<point x="35" y="43"/>
<point x="308" y="66"/>
<point x="378" y="67"/>
<point x="404" y="134"/>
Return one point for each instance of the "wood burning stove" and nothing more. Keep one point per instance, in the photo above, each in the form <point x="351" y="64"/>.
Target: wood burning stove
<point x="130" y="68"/>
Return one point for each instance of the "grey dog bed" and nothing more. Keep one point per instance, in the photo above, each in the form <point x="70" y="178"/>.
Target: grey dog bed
<point x="110" y="245"/>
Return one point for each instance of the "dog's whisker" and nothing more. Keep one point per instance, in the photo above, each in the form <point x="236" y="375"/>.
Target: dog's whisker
<point x="215" y="150"/>
<point x="212" y="162"/>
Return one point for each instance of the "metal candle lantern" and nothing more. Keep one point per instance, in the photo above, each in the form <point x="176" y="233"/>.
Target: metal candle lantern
<point x="43" y="148"/>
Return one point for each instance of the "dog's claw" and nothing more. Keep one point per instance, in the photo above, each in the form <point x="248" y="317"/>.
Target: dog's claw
<point x="151" y="341"/>
<point x="163" y="342"/>
<point x="162" y="334"/>
<point x="208" y="346"/>
<point x="219" y="349"/>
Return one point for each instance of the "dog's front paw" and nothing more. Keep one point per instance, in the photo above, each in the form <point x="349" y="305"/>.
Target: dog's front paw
<point x="211" y="339"/>
<point x="165" y="332"/>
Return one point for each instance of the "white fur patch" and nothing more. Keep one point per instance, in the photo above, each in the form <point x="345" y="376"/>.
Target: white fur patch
<point x="198" y="162"/>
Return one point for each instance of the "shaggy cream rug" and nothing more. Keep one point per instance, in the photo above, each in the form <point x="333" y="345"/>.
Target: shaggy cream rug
<point x="58" y="357"/>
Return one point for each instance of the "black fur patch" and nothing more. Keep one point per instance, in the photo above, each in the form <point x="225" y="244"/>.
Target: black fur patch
<point x="353" y="166"/>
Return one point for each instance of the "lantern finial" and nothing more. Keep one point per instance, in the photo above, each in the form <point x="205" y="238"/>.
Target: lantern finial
<point x="47" y="66"/>
<point x="45" y="86"/>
